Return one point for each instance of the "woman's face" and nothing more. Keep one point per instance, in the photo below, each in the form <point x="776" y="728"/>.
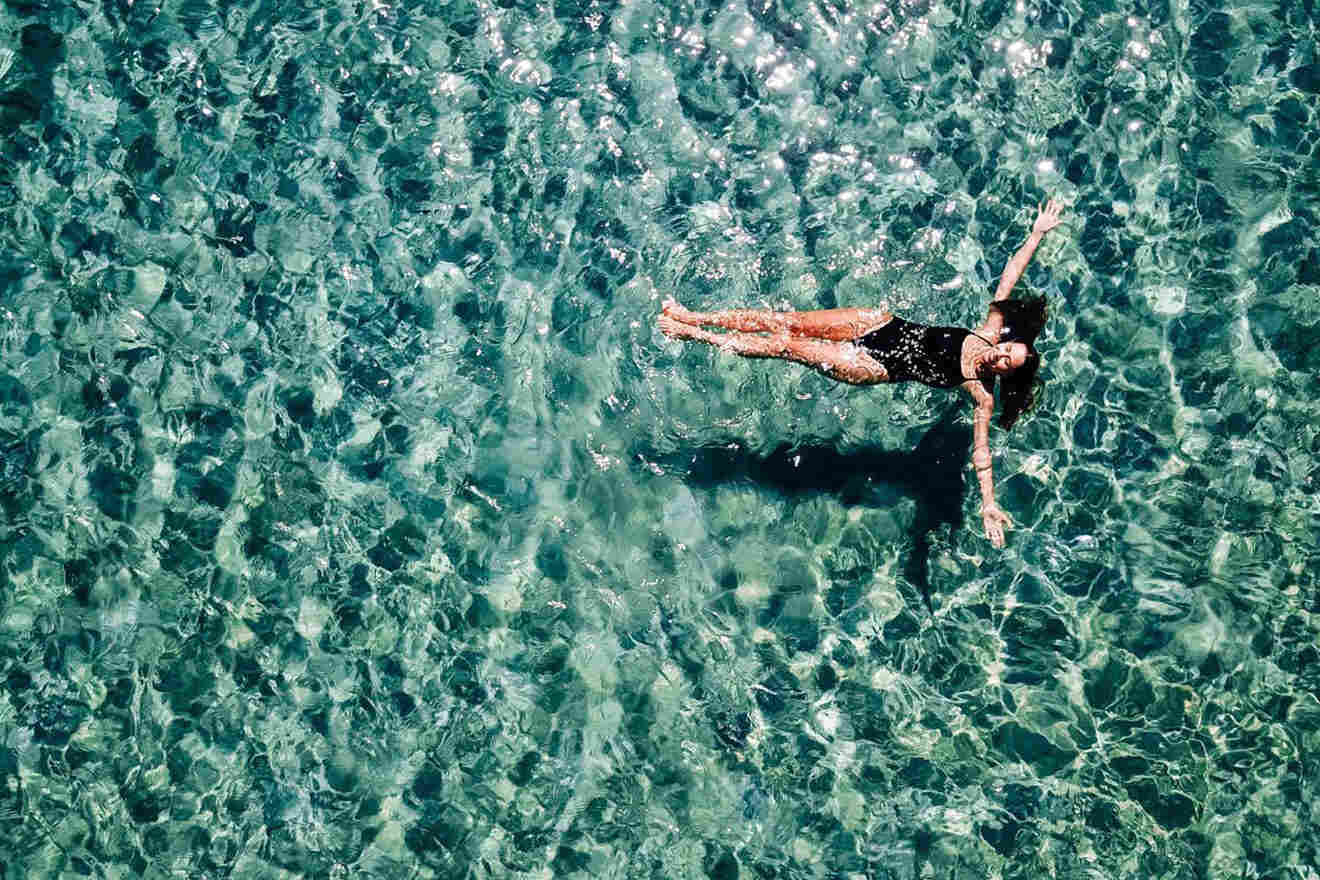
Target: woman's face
<point x="1007" y="357"/>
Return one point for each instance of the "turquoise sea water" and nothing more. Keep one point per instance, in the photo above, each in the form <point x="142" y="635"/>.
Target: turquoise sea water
<point x="357" y="522"/>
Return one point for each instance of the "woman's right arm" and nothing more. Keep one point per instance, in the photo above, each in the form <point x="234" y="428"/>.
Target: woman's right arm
<point x="1047" y="217"/>
<point x="992" y="515"/>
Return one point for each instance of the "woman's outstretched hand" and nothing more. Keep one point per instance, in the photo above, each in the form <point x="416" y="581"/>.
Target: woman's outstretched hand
<point x="1047" y="216"/>
<point x="995" y="522"/>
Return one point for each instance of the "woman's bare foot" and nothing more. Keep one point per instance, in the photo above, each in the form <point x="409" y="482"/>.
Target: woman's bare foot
<point x="676" y="310"/>
<point x="676" y="329"/>
<point x="739" y="343"/>
<point x="745" y="344"/>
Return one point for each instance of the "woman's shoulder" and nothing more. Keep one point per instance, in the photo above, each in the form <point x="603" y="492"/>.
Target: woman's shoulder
<point x="990" y="327"/>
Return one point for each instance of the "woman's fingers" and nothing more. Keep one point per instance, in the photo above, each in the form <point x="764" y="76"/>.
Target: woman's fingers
<point x="1047" y="216"/>
<point x="996" y="521"/>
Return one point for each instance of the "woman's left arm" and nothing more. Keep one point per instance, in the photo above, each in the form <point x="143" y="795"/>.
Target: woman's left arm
<point x="992" y="516"/>
<point x="1047" y="217"/>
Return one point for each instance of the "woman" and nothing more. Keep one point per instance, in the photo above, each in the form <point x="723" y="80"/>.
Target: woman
<point x="870" y="346"/>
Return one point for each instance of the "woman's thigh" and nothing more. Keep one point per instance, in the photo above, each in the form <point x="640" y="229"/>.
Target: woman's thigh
<point x="844" y="361"/>
<point x="837" y="325"/>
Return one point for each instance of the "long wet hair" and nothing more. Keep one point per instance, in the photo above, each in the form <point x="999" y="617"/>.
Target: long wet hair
<point x="1023" y="320"/>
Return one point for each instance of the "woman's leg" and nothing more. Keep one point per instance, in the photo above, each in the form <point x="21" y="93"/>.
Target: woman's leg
<point x="838" y="325"/>
<point x="842" y="361"/>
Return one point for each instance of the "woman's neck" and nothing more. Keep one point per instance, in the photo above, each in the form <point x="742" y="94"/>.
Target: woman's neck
<point x="978" y="359"/>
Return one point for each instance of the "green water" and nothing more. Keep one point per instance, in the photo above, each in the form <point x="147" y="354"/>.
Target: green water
<point x="358" y="523"/>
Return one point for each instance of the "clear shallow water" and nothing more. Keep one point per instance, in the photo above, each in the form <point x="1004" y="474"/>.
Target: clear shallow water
<point x="357" y="522"/>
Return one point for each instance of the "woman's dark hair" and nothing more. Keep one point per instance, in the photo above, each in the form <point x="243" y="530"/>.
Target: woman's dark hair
<point x="1023" y="320"/>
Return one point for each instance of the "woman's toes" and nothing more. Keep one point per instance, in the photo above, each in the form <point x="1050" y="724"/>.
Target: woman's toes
<point x="674" y="309"/>
<point x="670" y="327"/>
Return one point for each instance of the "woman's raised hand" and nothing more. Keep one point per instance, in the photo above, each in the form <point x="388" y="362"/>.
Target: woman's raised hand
<point x="996" y="521"/>
<point x="1047" y="216"/>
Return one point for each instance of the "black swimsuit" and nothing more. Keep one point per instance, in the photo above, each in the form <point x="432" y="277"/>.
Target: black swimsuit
<point x="916" y="352"/>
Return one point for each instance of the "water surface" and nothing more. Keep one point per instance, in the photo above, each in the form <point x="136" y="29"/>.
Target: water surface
<point x="358" y="523"/>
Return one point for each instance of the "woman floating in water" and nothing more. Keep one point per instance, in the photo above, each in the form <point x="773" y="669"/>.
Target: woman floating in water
<point x="870" y="346"/>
